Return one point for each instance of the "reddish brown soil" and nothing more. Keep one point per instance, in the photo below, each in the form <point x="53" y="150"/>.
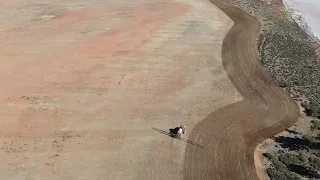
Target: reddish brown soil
<point x="83" y="83"/>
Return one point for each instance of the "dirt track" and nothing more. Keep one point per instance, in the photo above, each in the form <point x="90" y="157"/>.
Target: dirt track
<point x="230" y="133"/>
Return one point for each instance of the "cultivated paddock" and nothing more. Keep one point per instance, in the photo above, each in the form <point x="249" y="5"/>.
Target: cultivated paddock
<point x="84" y="82"/>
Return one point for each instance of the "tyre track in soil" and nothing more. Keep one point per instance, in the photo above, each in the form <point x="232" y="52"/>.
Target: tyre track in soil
<point x="229" y="134"/>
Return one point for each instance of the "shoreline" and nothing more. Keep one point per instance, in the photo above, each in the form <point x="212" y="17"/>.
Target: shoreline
<point x="301" y="20"/>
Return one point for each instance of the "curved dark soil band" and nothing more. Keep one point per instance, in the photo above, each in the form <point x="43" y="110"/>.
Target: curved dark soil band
<point x="229" y="134"/>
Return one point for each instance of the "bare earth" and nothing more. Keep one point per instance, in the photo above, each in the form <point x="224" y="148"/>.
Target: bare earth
<point x="230" y="134"/>
<point x="83" y="83"/>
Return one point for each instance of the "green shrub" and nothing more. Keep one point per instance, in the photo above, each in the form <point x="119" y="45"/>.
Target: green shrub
<point x="304" y="171"/>
<point x="275" y="175"/>
<point x="313" y="109"/>
<point x="315" y="125"/>
<point x="314" y="162"/>
<point x="268" y="156"/>
<point x="316" y="152"/>
<point x="310" y="138"/>
<point x="279" y="165"/>
<point x="291" y="175"/>
<point x="275" y="161"/>
<point x="302" y="157"/>
<point x="288" y="158"/>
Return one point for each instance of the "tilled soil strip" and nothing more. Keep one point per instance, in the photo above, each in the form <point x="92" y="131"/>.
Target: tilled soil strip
<point x="229" y="135"/>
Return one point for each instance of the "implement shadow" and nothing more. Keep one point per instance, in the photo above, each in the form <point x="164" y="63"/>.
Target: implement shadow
<point x="182" y="139"/>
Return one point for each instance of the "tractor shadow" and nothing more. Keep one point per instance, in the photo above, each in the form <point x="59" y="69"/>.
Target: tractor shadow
<point x="170" y="134"/>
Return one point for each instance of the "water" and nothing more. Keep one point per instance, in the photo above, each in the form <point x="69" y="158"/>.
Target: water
<point x="307" y="14"/>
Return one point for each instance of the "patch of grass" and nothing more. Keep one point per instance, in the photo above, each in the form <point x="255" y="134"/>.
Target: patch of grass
<point x="262" y="143"/>
<point x="259" y="141"/>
